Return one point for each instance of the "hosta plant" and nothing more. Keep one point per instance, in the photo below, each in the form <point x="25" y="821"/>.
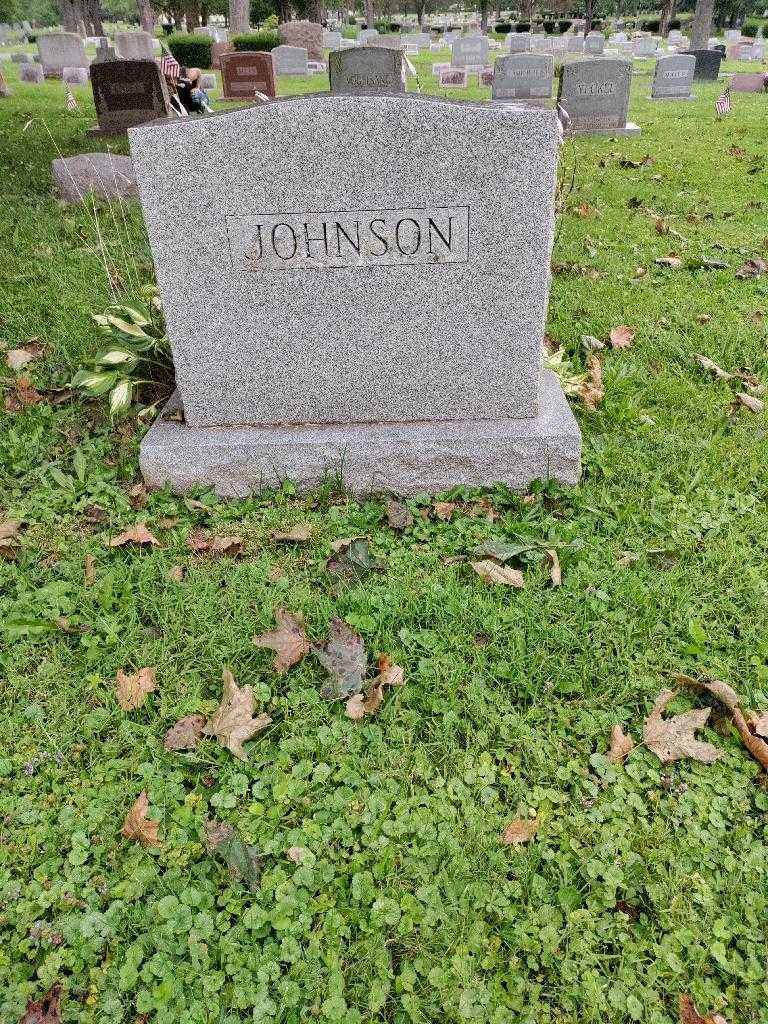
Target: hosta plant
<point x="135" y="361"/>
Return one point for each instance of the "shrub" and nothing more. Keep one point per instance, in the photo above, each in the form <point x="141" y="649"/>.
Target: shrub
<point x="193" y="51"/>
<point x="349" y="33"/>
<point x="266" y="39"/>
<point x="651" y="24"/>
<point x="563" y="26"/>
<point x="523" y="26"/>
<point x="549" y="27"/>
<point x="503" y="27"/>
<point x="749" y="29"/>
<point x="31" y="37"/>
<point x="675" y="23"/>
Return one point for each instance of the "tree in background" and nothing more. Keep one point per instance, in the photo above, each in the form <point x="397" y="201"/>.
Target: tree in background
<point x="239" y="11"/>
<point x="702" y="24"/>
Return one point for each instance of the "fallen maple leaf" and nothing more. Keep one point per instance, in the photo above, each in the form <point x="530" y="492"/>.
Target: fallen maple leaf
<point x="232" y="723"/>
<point x="621" y="337"/>
<point x="491" y="572"/>
<point x="520" y="831"/>
<point x="132" y="690"/>
<point x="199" y="541"/>
<point x="138" y="826"/>
<point x="752" y="268"/>
<point x="296" y="535"/>
<point x="621" y="745"/>
<point x="398" y="515"/>
<point x="46" y="1010"/>
<point x="368" y="703"/>
<point x="17" y="358"/>
<point x="555" y="573"/>
<point x="671" y="739"/>
<point x="674" y="262"/>
<point x="706" y="364"/>
<point x="690" y="1015"/>
<point x="288" y="641"/>
<point x="21" y="395"/>
<point x="9" y="539"/>
<point x="591" y="390"/>
<point x="344" y="657"/>
<point x="443" y="510"/>
<point x="727" y="696"/>
<point x="750" y="402"/>
<point x="759" y="724"/>
<point x="185" y="734"/>
<point x="138" y="534"/>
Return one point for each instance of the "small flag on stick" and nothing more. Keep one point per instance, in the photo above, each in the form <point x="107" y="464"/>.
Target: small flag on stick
<point x="71" y="101"/>
<point x="170" y="67"/>
<point x="723" y="102"/>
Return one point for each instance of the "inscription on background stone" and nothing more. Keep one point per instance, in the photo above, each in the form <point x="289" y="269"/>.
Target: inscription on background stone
<point x="519" y="42"/>
<point x="244" y="73"/>
<point x="594" y="44"/>
<point x="127" y="93"/>
<point x="595" y="94"/>
<point x="468" y="51"/>
<point x="523" y="76"/>
<point x="348" y="238"/>
<point x="366" y="71"/>
<point x="707" y="65"/>
<point x="454" y="78"/>
<point x="134" y="45"/>
<point x="59" y="50"/>
<point x="673" y="77"/>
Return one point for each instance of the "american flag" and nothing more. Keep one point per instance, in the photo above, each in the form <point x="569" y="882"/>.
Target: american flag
<point x="723" y="102"/>
<point x="71" y="101"/>
<point x="170" y="67"/>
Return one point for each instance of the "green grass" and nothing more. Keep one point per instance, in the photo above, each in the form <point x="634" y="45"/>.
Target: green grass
<point x="644" y="881"/>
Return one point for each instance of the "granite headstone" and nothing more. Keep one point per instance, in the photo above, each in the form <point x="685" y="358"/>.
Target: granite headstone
<point x="673" y="77"/>
<point x="59" y="50"/>
<point x="468" y="51"/>
<point x="707" y="65"/>
<point x="303" y="34"/>
<point x="127" y="93"/>
<point x="107" y="175"/>
<point x="594" y="93"/>
<point x="366" y="71"/>
<point x="519" y="42"/>
<point x="134" y="45"/>
<point x="754" y="81"/>
<point x="290" y="60"/>
<point x="594" y="43"/>
<point x="31" y="73"/>
<point x="523" y="76"/>
<point x="245" y="72"/>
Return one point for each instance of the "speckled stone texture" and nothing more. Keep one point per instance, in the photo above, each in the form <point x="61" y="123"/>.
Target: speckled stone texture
<point x="367" y="71"/>
<point x="59" y="50"/>
<point x="707" y="65"/>
<point x="244" y="73"/>
<point x="595" y="95"/>
<point x="31" y="73"/>
<point x="134" y="45"/>
<point x="355" y="265"/>
<point x="127" y="93"/>
<point x="405" y="458"/>
<point x="105" y="174"/>
<point x="523" y="76"/>
<point x="673" y="77"/>
<point x="306" y="34"/>
<point x="469" y="50"/>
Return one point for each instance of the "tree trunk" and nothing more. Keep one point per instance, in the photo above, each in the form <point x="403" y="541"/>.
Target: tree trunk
<point x="239" y="14"/>
<point x="204" y="13"/>
<point x="70" y="15"/>
<point x="589" y="11"/>
<point x="315" y="11"/>
<point x="666" y="17"/>
<point x="146" y="16"/>
<point x="370" y="13"/>
<point x="421" y="7"/>
<point x="483" y="16"/>
<point x="95" y="17"/>
<point x="192" y="14"/>
<point x="701" y="26"/>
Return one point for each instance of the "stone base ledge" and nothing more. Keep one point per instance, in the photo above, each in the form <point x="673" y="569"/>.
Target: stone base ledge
<point x="403" y="458"/>
<point x="673" y="99"/>
<point x="630" y="128"/>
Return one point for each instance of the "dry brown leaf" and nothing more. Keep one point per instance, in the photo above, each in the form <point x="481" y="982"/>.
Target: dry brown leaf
<point x="621" y="745"/>
<point x="483" y="509"/>
<point x="759" y="724"/>
<point x="138" y="826"/>
<point x="727" y="696"/>
<point x="752" y="268"/>
<point x="369" y="702"/>
<point x="177" y="573"/>
<point x="17" y="358"/>
<point x="185" y="734"/>
<point x="750" y="402"/>
<point x="690" y="1015"/>
<point x="9" y="539"/>
<point x="343" y="543"/>
<point x="296" y="854"/>
<point x="138" y="534"/>
<point x="520" y="831"/>
<point x="591" y="391"/>
<point x="555" y="572"/>
<point x="132" y="690"/>
<point x="46" y="1010"/>
<point x="398" y="515"/>
<point x="586" y="210"/>
<point x="671" y="739"/>
<point x="443" y="510"/>
<point x="711" y="367"/>
<point x="21" y="395"/>
<point x="299" y="534"/>
<point x="673" y="262"/>
<point x="199" y="541"/>
<point x="492" y="572"/>
<point x="720" y="691"/>
<point x="621" y="337"/>
<point x="89" y="570"/>
<point x="232" y="723"/>
<point x="288" y="641"/>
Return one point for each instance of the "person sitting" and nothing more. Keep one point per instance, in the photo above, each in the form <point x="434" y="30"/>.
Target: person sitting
<point x="193" y="98"/>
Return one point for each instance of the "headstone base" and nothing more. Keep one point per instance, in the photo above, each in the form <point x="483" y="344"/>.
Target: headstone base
<point x="404" y="458"/>
<point x="677" y="99"/>
<point x="96" y="132"/>
<point x="630" y="128"/>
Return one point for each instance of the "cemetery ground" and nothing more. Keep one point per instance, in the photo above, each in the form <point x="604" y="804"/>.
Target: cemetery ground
<point x="371" y="880"/>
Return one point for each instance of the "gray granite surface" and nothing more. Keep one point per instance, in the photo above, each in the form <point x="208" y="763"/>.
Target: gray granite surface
<point x="367" y="71"/>
<point x="673" y="77"/>
<point x="105" y="174"/>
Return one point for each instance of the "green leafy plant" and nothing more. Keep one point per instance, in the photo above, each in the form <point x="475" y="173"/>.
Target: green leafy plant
<point x="136" y="354"/>
<point x="256" y="41"/>
<point x="191" y="51"/>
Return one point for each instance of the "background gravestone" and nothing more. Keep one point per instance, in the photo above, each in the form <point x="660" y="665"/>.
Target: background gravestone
<point x="59" y="50"/>
<point x="519" y="42"/>
<point x="127" y="93"/>
<point x="595" y="95"/>
<point x="359" y="296"/>
<point x="244" y="73"/>
<point x="673" y="77"/>
<point x="575" y="44"/>
<point x="304" y="34"/>
<point x="75" y="76"/>
<point x="754" y="81"/>
<point x="469" y="51"/>
<point x="367" y="71"/>
<point x="134" y="45"/>
<point x="707" y="65"/>
<point x="523" y="76"/>
<point x="290" y="60"/>
<point x="31" y="73"/>
<point x="105" y="174"/>
<point x="594" y="43"/>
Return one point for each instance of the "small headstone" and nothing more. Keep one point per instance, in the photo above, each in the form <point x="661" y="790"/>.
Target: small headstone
<point x="392" y="42"/>
<point x="469" y="50"/>
<point x="594" y="43"/>
<point x="576" y="44"/>
<point x="107" y="175"/>
<point x="59" y="50"/>
<point x="104" y="52"/>
<point x="302" y="34"/>
<point x="332" y="40"/>
<point x="245" y="72"/>
<point x="707" y="65"/>
<point x="21" y="58"/>
<point x="749" y="82"/>
<point x="290" y="60"/>
<point x="134" y="45"/>
<point x="208" y="81"/>
<point x="453" y="78"/>
<point x="673" y="77"/>
<point x="519" y="42"/>
<point x="365" y="35"/>
<point x="341" y="309"/>
<point x="348" y="44"/>
<point x="733" y="35"/>
<point x="523" y="76"/>
<point x="595" y="96"/>
<point x="366" y="71"/>
<point x="75" y="76"/>
<point x="645" y="46"/>
<point x="217" y="49"/>
<point x="31" y="73"/>
<point x="127" y="93"/>
<point x="438" y="68"/>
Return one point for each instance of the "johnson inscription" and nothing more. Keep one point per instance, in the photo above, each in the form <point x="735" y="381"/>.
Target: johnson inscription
<point x="360" y="238"/>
